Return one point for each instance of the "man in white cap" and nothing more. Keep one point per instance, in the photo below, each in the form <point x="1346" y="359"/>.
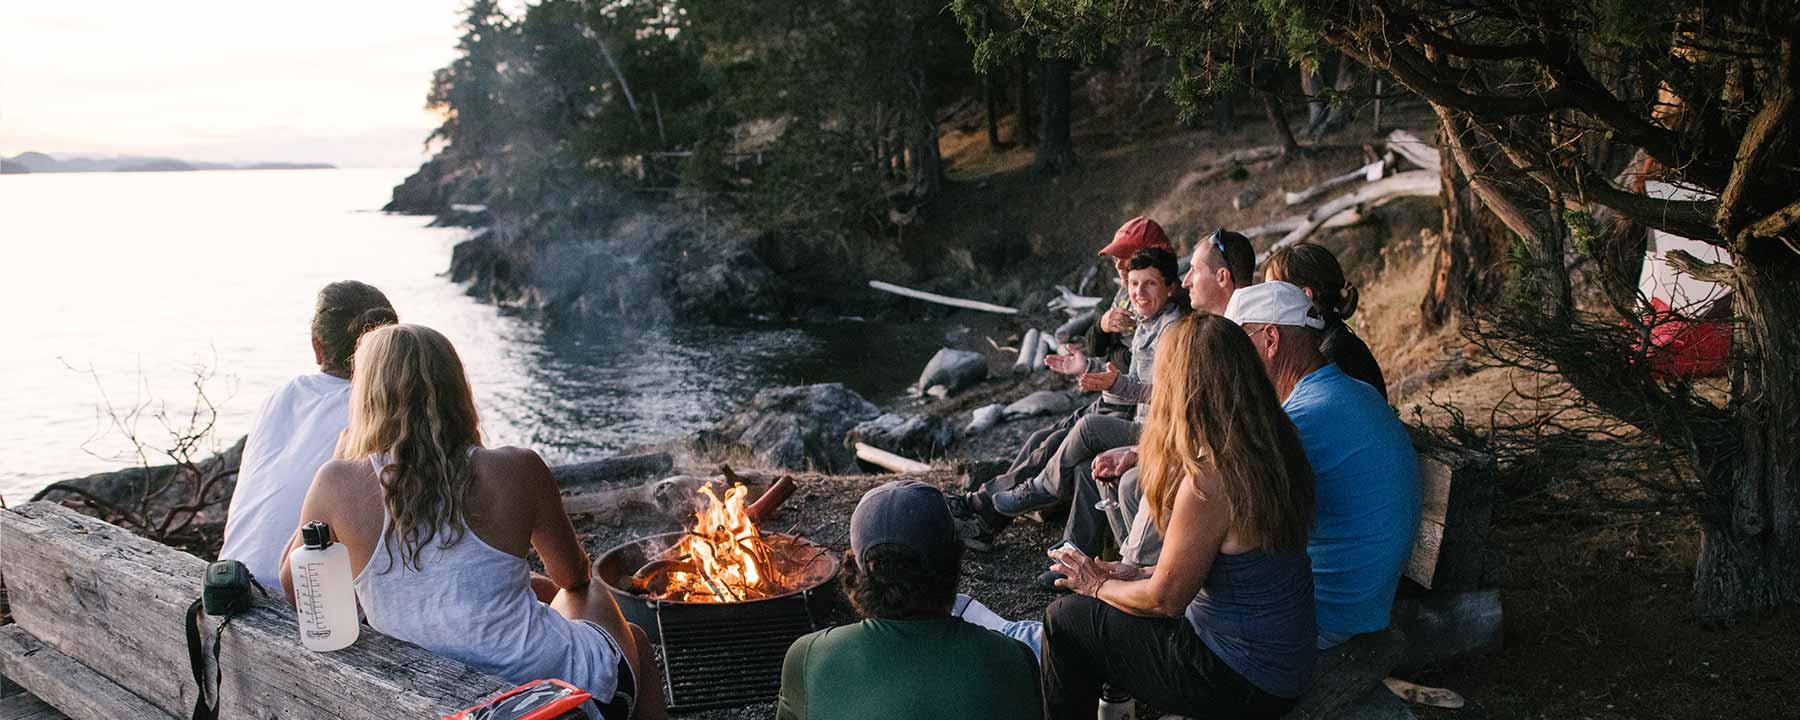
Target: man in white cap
<point x="1366" y="475"/>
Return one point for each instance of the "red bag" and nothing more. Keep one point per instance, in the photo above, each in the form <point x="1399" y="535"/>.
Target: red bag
<point x="535" y="700"/>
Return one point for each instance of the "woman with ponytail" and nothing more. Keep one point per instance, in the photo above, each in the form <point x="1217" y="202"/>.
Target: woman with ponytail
<point x="296" y="430"/>
<point x="1316" y="270"/>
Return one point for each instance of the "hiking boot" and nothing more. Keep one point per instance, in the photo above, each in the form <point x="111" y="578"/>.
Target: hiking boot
<point x="976" y="520"/>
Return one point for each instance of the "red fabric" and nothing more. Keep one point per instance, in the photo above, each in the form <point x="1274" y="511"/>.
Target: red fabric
<point x="1136" y="234"/>
<point x="1686" y="348"/>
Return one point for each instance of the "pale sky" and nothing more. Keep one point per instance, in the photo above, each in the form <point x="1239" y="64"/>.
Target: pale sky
<point x="255" y="80"/>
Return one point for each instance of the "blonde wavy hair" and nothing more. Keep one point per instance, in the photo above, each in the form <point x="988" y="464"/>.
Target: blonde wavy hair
<point x="410" y="401"/>
<point x="1213" y="409"/>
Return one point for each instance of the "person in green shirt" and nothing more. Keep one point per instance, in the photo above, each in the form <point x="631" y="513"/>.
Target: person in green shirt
<point x="909" y="657"/>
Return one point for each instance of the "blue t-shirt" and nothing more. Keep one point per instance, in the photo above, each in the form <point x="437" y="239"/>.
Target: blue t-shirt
<point x="1366" y="480"/>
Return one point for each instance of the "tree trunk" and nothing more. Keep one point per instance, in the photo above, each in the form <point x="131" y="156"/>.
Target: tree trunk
<point x="1469" y="268"/>
<point x="1750" y="533"/>
<point x="1056" y="147"/>
<point x="1278" y="118"/>
<point x="990" y="94"/>
<point x="1025" y="102"/>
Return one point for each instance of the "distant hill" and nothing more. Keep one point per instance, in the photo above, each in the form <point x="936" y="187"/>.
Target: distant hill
<point x="37" y="162"/>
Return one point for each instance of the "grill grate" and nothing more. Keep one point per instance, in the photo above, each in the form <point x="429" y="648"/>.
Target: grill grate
<point x="728" y="659"/>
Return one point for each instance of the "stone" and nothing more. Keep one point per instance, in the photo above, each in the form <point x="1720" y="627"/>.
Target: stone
<point x="1042" y="402"/>
<point x="953" y="369"/>
<point x="985" y="418"/>
<point x="917" y="437"/>
<point x="1245" y="199"/>
<point x="796" y="428"/>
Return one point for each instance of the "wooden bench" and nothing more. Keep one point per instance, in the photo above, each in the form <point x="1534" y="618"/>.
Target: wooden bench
<point x="100" y="634"/>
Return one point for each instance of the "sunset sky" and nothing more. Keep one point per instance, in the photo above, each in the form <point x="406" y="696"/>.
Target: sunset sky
<point x="338" y="82"/>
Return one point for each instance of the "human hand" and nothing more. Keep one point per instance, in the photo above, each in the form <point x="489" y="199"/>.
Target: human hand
<point x="1111" y="464"/>
<point x="1117" y="320"/>
<point x="1100" y="381"/>
<point x="1081" y="574"/>
<point x="1074" y="363"/>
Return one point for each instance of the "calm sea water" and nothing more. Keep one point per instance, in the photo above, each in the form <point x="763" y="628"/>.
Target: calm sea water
<point x="117" y="287"/>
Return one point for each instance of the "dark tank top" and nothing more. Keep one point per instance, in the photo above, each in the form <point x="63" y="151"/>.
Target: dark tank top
<point x="1256" y="613"/>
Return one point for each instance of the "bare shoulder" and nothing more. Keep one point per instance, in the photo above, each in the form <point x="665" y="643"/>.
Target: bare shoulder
<point x="515" y="463"/>
<point x="339" y="478"/>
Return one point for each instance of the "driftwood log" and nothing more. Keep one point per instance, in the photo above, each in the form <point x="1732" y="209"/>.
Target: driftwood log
<point x="26" y="706"/>
<point x="115" y="603"/>
<point x="889" y="461"/>
<point x="1368" y="173"/>
<point x="1286" y="225"/>
<point x="670" y="498"/>
<point x="613" y="469"/>
<point x="71" y="687"/>
<point x="1419" y="183"/>
<point x="942" y="299"/>
<point x="1416" y="151"/>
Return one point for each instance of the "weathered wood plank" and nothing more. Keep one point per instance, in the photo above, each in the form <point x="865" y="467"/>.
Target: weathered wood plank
<point x="72" y="687"/>
<point x="28" y="707"/>
<point x="1344" y="673"/>
<point x="115" y="602"/>
<point x="1456" y="512"/>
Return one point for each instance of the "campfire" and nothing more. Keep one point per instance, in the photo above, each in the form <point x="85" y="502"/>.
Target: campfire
<point x="725" y="558"/>
<point x="723" y="599"/>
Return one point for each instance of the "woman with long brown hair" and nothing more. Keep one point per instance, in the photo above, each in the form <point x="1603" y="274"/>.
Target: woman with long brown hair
<point x="1223" y="625"/>
<point x="438" y="530"/>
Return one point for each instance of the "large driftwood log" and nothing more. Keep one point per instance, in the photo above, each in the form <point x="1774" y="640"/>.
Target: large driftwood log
<point x="25" y="706"/>
<point x="612" y="469"/>
<point x="71" y="687"/>
<point x="1416" y="151"/>
<point x="671" y="498"/>
<point x="942" y="299"/>
<point x="1419" y="183"/>
<point x="115" y="602"/>
<point x="1286" y="225"/>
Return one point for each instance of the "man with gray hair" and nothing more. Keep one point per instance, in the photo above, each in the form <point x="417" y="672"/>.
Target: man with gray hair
<point x="1366" y="474"/>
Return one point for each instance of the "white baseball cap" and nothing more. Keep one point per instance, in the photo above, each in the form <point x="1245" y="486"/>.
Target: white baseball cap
<point x="1274" y="303"/>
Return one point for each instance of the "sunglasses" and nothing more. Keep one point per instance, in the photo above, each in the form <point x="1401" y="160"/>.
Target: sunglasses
<point x="1217" y="238"/>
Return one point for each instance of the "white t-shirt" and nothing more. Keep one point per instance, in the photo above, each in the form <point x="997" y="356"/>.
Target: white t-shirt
<point x="294" y="434"/>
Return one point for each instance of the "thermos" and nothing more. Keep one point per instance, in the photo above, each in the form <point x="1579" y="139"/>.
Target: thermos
<point x="323" y="591"/>
<point x="1116" y="704"/>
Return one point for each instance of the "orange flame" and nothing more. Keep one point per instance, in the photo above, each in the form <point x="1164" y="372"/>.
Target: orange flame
<point x="729" y="559"/>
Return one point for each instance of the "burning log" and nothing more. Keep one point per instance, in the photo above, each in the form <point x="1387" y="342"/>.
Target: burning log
<point x="771" y="499"/>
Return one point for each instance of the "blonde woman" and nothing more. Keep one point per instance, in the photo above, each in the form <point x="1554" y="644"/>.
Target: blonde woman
<point x="438" y="530"/>
<point x="1222" y="626"/>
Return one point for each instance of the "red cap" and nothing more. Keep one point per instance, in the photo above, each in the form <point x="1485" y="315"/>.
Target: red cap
<point x="1136" y="234"/>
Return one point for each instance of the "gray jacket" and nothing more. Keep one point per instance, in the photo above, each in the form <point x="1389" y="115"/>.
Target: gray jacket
<point x="1133" y="385"/>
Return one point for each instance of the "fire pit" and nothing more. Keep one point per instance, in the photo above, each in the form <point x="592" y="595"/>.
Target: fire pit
<point x="722" y="600"/>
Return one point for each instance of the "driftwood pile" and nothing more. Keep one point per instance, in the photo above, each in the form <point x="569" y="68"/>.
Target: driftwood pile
<point x="1379" y="186"/>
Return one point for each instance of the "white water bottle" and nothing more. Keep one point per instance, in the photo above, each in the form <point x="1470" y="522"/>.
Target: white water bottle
<point x="323" y="591"/>
<point x="1116" y="705"/>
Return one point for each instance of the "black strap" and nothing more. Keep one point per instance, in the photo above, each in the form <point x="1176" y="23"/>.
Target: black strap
<point x="196" y="660"/>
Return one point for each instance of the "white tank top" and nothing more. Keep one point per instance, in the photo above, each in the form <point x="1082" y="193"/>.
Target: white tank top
<point x="473" y="602"/>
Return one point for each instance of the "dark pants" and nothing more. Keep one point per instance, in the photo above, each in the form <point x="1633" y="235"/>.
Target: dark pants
<point x="1160" y="661"/>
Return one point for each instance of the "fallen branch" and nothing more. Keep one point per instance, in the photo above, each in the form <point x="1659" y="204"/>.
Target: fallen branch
<point x="612" y="469"/>
<point x="1288" y="224"/>
<point x="889" y="461"/>
<point x="942" y="299"/>
<point x="1067" y="300"/>
<point x="670" y="498"/>
<point x="1416" y="151"/>
<point x="1370" y="173"/>
<point x="1414" y="183"/>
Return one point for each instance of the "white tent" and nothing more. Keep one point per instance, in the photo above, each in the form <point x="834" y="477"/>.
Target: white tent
<point x="1659" y="281"/>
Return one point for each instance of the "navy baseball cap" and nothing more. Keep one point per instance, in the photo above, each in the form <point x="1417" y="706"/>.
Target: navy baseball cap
<point x="908" y="513"/>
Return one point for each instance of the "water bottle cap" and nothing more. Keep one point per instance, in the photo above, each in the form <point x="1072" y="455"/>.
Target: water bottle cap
<point x="316" y="535"/>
